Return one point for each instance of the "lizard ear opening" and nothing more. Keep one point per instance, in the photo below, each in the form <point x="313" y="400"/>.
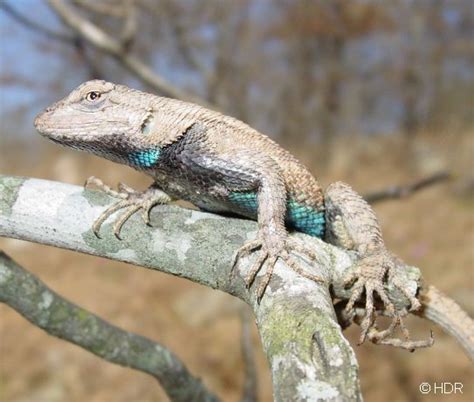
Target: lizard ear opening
<point x="146" y="127"/>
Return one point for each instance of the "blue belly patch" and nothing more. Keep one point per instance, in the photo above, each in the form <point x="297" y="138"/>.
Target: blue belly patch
<point x="247" y="201"/>
<point x="305" y="219"/>
<point x="145" y="158"/>
<point x="300" y="217"/>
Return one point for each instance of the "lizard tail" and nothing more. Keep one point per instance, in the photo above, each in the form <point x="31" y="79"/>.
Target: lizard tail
<point x="445" y="312"/>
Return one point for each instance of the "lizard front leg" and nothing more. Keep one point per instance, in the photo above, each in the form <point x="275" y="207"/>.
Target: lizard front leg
<point x="273" y="240"/>
<point x="351" y="224"/>
<point x="131" y="201"/>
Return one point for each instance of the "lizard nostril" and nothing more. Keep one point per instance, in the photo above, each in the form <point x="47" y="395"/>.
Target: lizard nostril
<point x="39" y="119"/>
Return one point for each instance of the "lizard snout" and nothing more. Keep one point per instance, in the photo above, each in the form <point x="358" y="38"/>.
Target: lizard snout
<point x="39" y="120"/>
<point x="43" y="122"/>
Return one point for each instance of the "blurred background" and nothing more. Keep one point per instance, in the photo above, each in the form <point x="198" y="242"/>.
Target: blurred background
<point x="372" y="93"/>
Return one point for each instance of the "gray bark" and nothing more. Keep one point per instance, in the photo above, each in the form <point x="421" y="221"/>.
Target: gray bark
<point x="309" y="357"/>
<point x="47" y="310"/>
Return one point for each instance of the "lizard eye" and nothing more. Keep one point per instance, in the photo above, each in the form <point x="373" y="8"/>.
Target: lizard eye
<point x="93" y="96"/>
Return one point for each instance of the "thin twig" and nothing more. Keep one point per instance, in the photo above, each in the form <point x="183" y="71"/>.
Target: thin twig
<point x="124" y="9"/>
<point x="32" y="25"/>
<point x="109" y="45"/>
<point x="75" y="41"/>
<point x="129" y="30"/>
<point x="103" y="7"/>
<point x="186" y="46"/>
<point x="397" y="192"/>
<point x="94" y="70"/>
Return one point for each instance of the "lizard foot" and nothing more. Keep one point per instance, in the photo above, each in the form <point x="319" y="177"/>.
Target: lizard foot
<point x="271" y="249"/>
<point x="130" y="200"/>
<point x="370" y="275"/>
<point x="383" y="337"/>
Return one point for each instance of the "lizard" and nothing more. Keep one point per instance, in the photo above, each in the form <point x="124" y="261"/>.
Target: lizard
<point x="222" y="165"/>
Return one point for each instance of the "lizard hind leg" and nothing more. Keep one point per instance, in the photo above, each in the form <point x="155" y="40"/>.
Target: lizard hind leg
<point x="130" y="200"/>
<point x="351" y="224"/>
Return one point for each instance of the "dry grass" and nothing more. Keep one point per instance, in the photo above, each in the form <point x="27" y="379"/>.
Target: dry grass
<point x="432" y="229"/>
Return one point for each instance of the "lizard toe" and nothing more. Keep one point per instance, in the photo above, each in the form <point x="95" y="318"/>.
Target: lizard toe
<point x="256" y="266"/>
<point x="266" y="278"/>
<point x="272" y="248"/>
<point x="129" y="199"/>
<point x="124" y="217"/>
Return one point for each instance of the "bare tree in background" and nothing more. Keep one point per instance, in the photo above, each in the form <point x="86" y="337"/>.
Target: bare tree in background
<point x="316" y="34"/>
<point x="284" y="67"/>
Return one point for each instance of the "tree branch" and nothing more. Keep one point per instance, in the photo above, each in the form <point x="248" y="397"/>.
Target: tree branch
<point x="104" y="7"/>
<point x="123" y="9"/>
<point x="32" y="25"/>
<point x="107" y="44"/>
<point x="75" y="41"/>
<point x="184" y="45"/>
<point x="47" y="310"/>
<point x="397" y="192"/>
<point x="307" y="352"/>
<point x="308" y="355"/>
<point x="441" y="309"/>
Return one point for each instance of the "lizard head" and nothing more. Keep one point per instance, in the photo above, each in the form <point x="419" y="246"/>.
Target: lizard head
<point x="99" y="117"/>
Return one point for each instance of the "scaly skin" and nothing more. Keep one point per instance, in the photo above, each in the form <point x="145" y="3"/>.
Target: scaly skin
<point x="352" y="225"/>
<point x="222" y="165"/>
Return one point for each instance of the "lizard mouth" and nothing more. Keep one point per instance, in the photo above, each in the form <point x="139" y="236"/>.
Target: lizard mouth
<point x="58" y="141"/>
<point x="64" y="142"/>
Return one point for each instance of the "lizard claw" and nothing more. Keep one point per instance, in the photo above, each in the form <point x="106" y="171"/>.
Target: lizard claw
<point x="130" y="200"/>
<point x="247" y="248"/>
<point x="272" y="249"/>
<point x="383" y="337"/>
<point x="369" y="276"/>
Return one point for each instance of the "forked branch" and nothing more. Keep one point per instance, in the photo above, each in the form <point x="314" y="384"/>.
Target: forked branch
<point x="307" y="352"/>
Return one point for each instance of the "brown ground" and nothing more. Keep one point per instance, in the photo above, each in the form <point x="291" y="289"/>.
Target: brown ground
<point x="432" y="229"/>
